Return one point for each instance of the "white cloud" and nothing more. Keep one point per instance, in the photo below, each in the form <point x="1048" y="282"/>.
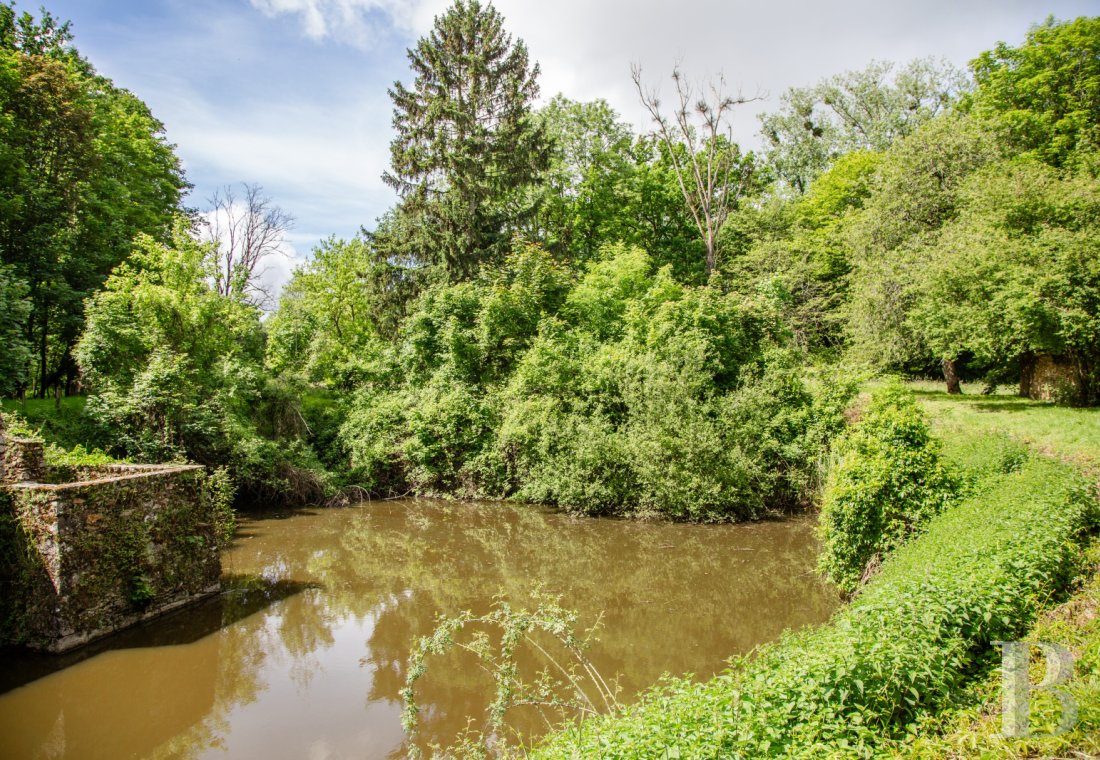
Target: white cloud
<point x="586" y="48"/>
<point x="356" y="22"/>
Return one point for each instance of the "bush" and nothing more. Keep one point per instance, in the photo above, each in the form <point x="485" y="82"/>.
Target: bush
<point x="622" y="393"/>
<point x="176" y="372"/>
<point x="888" y="480"/>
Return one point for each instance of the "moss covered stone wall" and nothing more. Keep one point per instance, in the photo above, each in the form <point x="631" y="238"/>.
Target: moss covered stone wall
<point x="87" y="558"/>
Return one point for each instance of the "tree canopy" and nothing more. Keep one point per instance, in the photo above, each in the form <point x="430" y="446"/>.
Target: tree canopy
<point x="84" y="168"/>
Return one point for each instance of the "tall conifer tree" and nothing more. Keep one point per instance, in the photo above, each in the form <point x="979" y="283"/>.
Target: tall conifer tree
<point x="466" y="145"/>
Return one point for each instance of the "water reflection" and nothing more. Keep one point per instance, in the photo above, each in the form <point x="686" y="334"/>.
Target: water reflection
<point x="304" y="655"/>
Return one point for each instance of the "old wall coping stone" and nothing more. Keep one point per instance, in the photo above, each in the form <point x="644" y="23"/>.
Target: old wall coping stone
<point x="125" y="472"/>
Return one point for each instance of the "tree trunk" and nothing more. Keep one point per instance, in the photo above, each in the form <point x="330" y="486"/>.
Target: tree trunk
<point x="951" y="376"/>
<point x="42" y="349"/>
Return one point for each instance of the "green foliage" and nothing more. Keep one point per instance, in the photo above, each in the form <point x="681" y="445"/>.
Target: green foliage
<point x="333" y="314"/>
<point x="622" y="392"/>
<point x="69" y="464"/>
<point x="900" y="652"/>
<point x="219" y="490"/>
<point x="887" y="482"/>
<point x="14" y="310"/>
<point x="975" y="729"/>
<point x="978" y="241"/>
<point x="803" y="263"/>
<point x="177" y="371"/>
<point x="1021" y="266"/>
<point x="916" y="192"/>
<point x="583" y="191"/>
<point x="1046" y="92"/>
<point x="857" y="110"/>
<point x="85" y="168"/>
<point x="466" y="145"/>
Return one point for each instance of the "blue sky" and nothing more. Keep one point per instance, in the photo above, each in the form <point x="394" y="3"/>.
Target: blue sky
<point x="291" y="94"/>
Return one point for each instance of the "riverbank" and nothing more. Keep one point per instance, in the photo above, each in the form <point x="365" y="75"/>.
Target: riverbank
<point x="916" y="645"/>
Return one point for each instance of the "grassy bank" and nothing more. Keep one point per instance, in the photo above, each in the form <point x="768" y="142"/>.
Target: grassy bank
<point x="1072" y="435"/>
<point x="909" y="649"/>
<point x="64" y="424"/>
<point x="973" y="728"/>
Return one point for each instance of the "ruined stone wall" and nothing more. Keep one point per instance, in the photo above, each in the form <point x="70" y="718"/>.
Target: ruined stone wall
<point x="1050" y="378"/>
<point x="88" y="558"/>
<point x="22" y="459"/>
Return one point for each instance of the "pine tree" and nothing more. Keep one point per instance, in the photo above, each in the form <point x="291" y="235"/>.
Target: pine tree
<point x="466" y="145"/>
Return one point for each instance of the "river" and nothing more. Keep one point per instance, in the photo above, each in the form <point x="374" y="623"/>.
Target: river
<point x="303" y="655"/>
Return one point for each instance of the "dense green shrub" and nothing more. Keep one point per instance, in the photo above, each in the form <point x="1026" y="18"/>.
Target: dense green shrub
<point x="888" y="481"/>
<point x="623" y="392"/>
<point x="921" y="628"/>
<point x="176" y="372"/>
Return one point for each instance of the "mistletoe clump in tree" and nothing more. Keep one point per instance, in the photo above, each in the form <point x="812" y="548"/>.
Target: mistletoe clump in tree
<point x="466" y="147"/>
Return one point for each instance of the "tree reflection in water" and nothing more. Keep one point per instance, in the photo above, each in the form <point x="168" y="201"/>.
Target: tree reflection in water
<point x="306" y="652"/>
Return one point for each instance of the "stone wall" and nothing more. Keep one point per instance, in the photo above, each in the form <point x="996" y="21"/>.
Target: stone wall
<point x="1050" y="378"/>
<point x="87" y="558"/>
<point x="24" y="460"/>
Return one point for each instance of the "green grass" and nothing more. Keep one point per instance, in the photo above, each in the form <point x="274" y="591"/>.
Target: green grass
<point x="67" y="426"/>
<point x="1070" y="434"/>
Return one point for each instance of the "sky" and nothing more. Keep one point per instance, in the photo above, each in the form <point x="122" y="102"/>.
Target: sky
<point x="292" y="94"/>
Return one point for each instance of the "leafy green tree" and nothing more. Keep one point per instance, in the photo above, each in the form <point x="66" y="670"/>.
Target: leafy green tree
<point x="84" y="167"/>
<point x="968" y="249"/>
<point x="1020" y="267"/>
<point x="467" y="146"/>
<point x="334" y="313"/>
<point x="582" y="193"/>
<point x="803" y="262"/>
<point x="915" y="194"/>
<point x="1046" y="92"/>
<point x="176" y="372"/>
<point x="605" y="186"/>
<point x="16" y="356"/>
<point x="856" y="110"/>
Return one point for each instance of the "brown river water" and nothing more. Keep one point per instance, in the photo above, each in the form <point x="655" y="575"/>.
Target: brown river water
<point x="303" y="655"/>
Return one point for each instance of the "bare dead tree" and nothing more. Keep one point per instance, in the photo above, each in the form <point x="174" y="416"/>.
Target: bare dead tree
<point x="699" y="140"/>
<point x="247" y="232"/>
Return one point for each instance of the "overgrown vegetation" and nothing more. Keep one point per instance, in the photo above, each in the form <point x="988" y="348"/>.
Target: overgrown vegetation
<point x="888" y="480"/>
<point x="974" y="728"/>
<point x="560" y="310"/>
<point x="178" y="372"/>
<point x="545" y="315"/>
<point x="899" y="653"/>
<point x="620" y="391"/>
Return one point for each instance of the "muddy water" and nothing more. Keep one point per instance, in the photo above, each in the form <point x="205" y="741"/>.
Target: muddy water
<point x="303" y="655"/>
